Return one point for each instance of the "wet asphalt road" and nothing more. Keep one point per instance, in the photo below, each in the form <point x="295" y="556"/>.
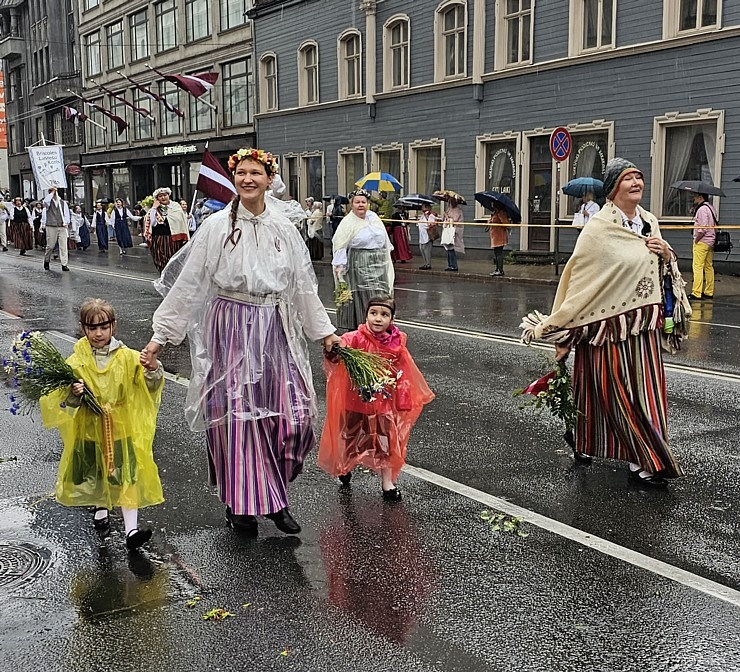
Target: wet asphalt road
<point x="423" y="585"/>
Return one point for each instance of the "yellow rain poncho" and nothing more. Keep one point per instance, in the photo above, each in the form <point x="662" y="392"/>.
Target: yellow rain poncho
<point x="124" y="474"/>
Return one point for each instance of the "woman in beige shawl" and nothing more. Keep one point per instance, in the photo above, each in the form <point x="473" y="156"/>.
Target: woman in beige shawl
<point x="362" y="260"/>
<point x="611" y="305"/>
<point x="166" y="228"/>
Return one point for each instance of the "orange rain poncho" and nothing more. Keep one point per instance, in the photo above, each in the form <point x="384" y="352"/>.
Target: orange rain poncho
<point x="125" y="474"/>
<point x="375" y="433"/>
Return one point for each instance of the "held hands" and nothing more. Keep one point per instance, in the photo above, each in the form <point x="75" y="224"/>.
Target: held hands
<point x="148" y="356"/>
<point x="78" y="388"/>
<point x="329" y="342"/>
<point x="561" y="352"/>
<point x="339" y="270"/>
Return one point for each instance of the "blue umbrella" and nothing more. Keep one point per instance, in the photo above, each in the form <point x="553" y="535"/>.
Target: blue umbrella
<point x="493" y="200"/>
<point x="580" y="186"/>
<point x="379" y="182"/>
<point x="214" y="205"/>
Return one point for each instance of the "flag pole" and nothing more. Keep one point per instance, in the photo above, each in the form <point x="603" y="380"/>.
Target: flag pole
<point x="94" y="123"/>
<point x="195" y="191"/>
<point x="213" y="107"/>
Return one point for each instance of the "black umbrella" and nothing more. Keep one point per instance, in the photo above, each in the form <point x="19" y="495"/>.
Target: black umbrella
<point x="737" y="179"/>
<point x="493" y="200"/>
<point x="415" y="200"/>
<point x="342" y="200"/>
<point x="698" y="187"/>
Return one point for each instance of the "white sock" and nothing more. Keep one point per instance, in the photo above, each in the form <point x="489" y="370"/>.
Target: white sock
<point x="101" y="513"/>
<point x="130" y="519"/>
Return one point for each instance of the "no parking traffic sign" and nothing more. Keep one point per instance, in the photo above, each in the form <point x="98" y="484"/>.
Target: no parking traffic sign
<point x="560" y="144"/>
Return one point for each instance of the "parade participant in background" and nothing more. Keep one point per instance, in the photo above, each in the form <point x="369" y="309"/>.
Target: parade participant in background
<point x="166" y="229"/>
<point x="373" y="433"/>
<point x="100" y="219"/>
<point x="98" y="469"/>
<point x="21" y="226"/>
<point x="120" y="217"/>
<point x="400" y="237"/>
<point x="4" y="216"/>
<point x="39" y="236"/>
<point x="610" y="305"/>
<point x="245" y="294"/>
<point x="315" y="232"/>
<point x="191" y="219"/>
<point x="82" y="226"/>
<point x="362" y="259"/>
<point x="704" y="235"/>
<point x="55" y="221"/>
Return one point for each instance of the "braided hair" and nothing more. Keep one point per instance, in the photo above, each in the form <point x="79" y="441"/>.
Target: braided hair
<point x="233" y="236"/>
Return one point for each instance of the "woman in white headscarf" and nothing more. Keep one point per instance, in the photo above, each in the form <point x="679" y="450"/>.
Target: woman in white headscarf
<point x="166" y="229"/>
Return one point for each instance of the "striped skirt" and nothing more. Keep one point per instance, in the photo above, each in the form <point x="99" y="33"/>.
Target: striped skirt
<point x="162" y="249"/>
<point x="620" y="391"/>
<point x="366" y="277"/>
<point x="21" y="235"/>
<point x="256" y="408"/>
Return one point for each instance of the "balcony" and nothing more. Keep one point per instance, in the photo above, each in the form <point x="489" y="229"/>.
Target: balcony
<point x="12" y="48"/>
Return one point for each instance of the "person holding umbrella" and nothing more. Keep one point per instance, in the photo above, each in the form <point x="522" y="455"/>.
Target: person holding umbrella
<point x="453" y="219"/>
<point x="505" y="212"/>
<point x="705" y="233"/>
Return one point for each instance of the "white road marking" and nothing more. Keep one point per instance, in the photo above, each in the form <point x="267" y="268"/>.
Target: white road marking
<point x="715" y="324"/>
<point x="406" y="289"/>
<point x="8" y="316"/>
<point x="549" y="524"/>
<point x="604" y="546"/>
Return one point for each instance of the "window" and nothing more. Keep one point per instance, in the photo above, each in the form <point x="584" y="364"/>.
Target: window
<point x="139" y="30"/>
<point x="234" y="13"/>
<point x="201" y="116"/>
<point x="95" y="133"/>
<point x="496" y="166"/>
<point x="351" y="167"/>
<point x="237" y="92"/>
<point x="389" y="159"/>
<point x="120" y="110"/>
<point x="165" y="14"/>
<point x="350" y="66"/>
<point x="143" y="127"/>
<point x="114" y="33"/>
<point x="313" y="174"/>
<point x="308" y="74"/>
<point x="396" y="54"/>
<point x="197" y="19"/>
<point x="686" y="16"/>
<point x="13" y="89"/>
<point x="588" y="158"/>
<point x="169" y="123"/>
<point x="12" y="139"/>
<point x="268" y="83"/>
<point x="92" y="54"/>
<point x="514" y="26"/>
<point x="426" y="171"/>
<point x="450" y="46"/>
<point x="290" y="175"/>
<point x="591" y="25"/>
<point x="688" y="146"/>
<point x="91" y="4"/>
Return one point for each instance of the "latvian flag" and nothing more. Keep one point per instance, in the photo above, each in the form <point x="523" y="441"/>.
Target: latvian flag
<point x="195" y="85"/>
<point x="72" y="114"/>
<point x="213" y="180"/>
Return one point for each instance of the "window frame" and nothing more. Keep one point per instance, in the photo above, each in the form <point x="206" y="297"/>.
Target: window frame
<point x="189" y="23"/>
<point x="377" y="150"/>
<point x="343" y="64"/>
<point x="440" y="40"/>
<point x="133" y="30"/>
<point x="140" y="99"/>
<point x="166" y="118"/>
<point x="576" y="32"/>
<point x="227" y="98"/>
<point x="303" y="73"/>
<point x="342" y="168"/>
<point x="246" y="5"/>
<point x="268" y="82"/>
<point x="502" y="35"/>
<point x="120" y="110"/>
<point x="193" y="113"/>
<point x="303" y="173"/>
<point x="672" y="19"/>
<point x="481" y="142"/>
<point x="388" y="49"/>
<point x="94" y="134"/>
<point x="672" y="120"/>
<point x="414" y="147"/>
<point x="159" y="16"/>
<point x="111" y="49"/>
<point x="88" y="61"/>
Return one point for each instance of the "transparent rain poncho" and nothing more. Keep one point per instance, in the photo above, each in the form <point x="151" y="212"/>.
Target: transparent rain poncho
<point x="262" y="268"/>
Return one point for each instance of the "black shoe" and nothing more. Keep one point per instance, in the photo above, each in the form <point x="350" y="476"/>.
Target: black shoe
<point x="693" y="298"/>
<point x="137" y="538"/>
<point x="241" y="523"/>
<point x="652" y="481"/>
<point x="65" y="268"/>
<point x="101" y="524"/>
<point x="392" y="495"/>
<point x="23" y="253"/>
<point x="5" y="249"/>
<point x="424" y="268"/>
<point x="284" y="521"/>
<point x="46" y="265"/>
<point x="454" y="270"/>
<point x="570" y="439"/>
<point x="345" y="478"/>
<point x="706" y="297"/>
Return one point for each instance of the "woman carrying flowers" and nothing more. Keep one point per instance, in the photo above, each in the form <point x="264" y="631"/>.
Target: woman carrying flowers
<point x="245" y="293"/>
<point x="372" y="427"/>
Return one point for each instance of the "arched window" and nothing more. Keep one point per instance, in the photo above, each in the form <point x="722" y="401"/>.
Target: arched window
<point x="396" y="53"/>
<point x="268" y="83"/>
<point x="308" y="73"/>
<point x="450" y="45"/>
<point x="350" y="65"/>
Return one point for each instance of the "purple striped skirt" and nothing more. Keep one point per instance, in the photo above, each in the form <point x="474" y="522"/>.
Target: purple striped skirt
<point x="256" y="407"/>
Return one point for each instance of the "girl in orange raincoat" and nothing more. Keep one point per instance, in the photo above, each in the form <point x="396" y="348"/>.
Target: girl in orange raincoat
<point x="373" y="433"/>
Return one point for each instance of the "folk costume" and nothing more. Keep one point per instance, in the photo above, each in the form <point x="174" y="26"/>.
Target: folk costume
<point x="400" y="238"/>
<point x="120" y="218"/>
<point x="20" y="229"/>
<point x="245" y="294"/>
<point x="166" y="230"/>
<point x="362" y="259"/>
<point x="610" y="303"/>
<point x="375" y="433"/>
<point x="108" y="461"/>
<point x="100" y="219"/>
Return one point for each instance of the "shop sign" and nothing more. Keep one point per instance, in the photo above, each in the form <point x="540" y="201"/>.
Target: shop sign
<point x="179" y="149"/>
<point x="589" y="147"/>
<point x="502" y="154"/>
<point x="73" y="169"/>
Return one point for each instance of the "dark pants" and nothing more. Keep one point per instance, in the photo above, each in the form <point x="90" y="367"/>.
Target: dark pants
<point x="498" y="258"/>
<point x="452" y="258"/>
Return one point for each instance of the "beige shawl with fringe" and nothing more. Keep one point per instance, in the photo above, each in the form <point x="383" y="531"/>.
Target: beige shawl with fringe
<point x="611" y="274"/>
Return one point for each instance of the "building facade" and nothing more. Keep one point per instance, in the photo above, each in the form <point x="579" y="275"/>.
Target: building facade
<point x="125" y="38"/>
<point x="39" y="47"/>
<point x="464" y="94"/>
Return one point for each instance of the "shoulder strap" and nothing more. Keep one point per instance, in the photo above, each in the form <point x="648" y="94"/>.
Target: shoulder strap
<point x="711" y="211"/>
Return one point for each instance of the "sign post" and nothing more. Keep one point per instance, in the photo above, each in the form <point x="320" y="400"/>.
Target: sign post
<point x="561" y="144"/>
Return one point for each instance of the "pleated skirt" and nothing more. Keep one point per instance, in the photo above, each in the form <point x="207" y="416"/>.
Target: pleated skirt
<point x="620" y="392"/>
<point x="21" y="235"/>
<point x="123" y="235"/>
<point x="162" y="249"/>
<point x="256" y="408"/>
<point x="401" y="250"/>
<point x="366" y="277"/>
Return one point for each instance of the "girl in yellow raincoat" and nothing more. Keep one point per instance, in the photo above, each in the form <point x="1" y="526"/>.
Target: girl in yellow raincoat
<point x="107" y="460"/>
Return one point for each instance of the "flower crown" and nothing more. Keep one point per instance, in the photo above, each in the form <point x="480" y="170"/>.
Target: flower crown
<point x="359" y="192"/>
<point x="265" y="158"/>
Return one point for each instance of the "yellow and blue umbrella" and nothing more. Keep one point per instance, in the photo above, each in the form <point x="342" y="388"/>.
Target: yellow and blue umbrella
<point x="379" y="182"/>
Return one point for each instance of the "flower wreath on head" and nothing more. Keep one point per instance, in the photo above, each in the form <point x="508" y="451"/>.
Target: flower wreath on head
<point x="359" y="192"/>
<point x="265" y="158"/>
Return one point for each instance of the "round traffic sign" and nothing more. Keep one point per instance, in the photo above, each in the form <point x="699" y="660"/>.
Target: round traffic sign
<point x="560" y="144"/>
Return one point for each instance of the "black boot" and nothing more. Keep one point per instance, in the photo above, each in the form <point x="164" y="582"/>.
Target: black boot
<point x="284" y="521"/>
<point x="570" y="439"/>
<point x="241" y="523"/>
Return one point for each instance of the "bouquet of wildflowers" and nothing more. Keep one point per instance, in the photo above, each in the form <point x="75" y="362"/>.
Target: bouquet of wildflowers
<point x="369" y="374"/>
<point x="36" y="368"/>
<point x="554" y="392"/>
<point x="342" y="294"/>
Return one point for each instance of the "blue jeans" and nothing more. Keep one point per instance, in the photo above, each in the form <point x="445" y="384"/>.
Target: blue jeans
<point x="452" y="258"/>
